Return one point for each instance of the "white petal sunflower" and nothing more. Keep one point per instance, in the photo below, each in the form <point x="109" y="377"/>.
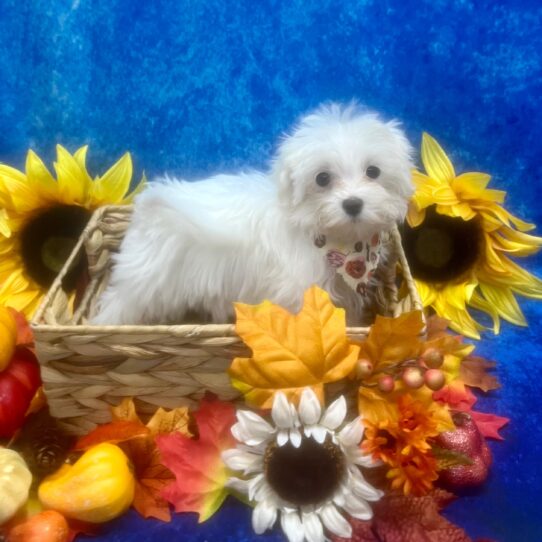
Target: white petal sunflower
<point x="288" y="442"/>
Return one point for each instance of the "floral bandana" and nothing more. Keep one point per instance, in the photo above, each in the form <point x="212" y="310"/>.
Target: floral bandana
<point x="355" y="264"/>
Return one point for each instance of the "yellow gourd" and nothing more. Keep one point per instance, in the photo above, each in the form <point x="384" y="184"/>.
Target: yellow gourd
<point x="97" y="488"/>
<point x="8" y="337"/>
<point x="15" y="481"/>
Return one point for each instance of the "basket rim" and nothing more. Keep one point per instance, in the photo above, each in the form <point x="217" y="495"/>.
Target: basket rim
<point x="184" y="330"/>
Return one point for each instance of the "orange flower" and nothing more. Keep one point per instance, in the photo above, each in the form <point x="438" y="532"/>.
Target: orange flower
<point x="380" y="441"/>
<point x="414" y="473"/>
<point x="413" y="426"/>
<point x="416" y="424"/>
<point x="403" y="444"/>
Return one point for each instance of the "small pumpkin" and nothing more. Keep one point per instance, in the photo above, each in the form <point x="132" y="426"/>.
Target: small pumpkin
<point x="49" y="526"/>
<point x="15" y="481"/>
<point x="97" y="488"/>
<point x="8" y="336"/>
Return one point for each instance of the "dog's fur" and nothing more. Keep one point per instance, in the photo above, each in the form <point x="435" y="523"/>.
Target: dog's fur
<point x="196" y="247"/>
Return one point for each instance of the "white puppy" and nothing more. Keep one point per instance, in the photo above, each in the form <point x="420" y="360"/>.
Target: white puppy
<point x="342" y="176"/>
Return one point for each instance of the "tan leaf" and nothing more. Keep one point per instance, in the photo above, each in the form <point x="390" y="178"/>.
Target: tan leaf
<point x="473" y="372"/>
<point x="168" y="422"/>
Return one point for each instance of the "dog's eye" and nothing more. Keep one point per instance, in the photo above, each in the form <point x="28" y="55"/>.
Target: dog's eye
<point x="372" y="172"/>
<point x="323" y="178"/>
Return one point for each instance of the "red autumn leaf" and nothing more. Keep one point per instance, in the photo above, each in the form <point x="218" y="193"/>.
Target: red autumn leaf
<point x="196" y="462"/>
<point x="456" y="397"/>
<point x="25" y="337"/>
<point x="400" y="518"/>
<point x="489" y="424"/>
<point x="473" y="372"/>
<point x="463" y="400"/>
<point x="113" y="432"/>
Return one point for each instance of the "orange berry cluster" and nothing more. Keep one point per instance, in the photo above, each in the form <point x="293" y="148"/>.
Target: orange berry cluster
<point x="413" y="373"/>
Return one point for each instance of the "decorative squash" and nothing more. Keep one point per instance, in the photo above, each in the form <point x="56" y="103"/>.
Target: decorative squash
<point x="97" y="488"/>
<point x="8" y="336"/>
<point x="49" y="526"/>
<point x="15" y="481"/>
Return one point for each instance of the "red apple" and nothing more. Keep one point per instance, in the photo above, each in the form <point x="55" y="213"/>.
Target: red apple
<point x="18" y="384"/>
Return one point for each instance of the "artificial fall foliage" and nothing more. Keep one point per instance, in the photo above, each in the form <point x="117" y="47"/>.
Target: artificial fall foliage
<point x="463" y="400"/>
<point x="474" y="373"/>
<point x="290" y="352"/>
<point x="200" y="474"/>
<point x="139" y="443"/>
<point x="399" y="518"/>
<point x="393" y="343"/>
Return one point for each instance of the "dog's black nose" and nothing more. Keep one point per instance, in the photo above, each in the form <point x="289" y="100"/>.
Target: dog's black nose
<point x="352" y="206"/>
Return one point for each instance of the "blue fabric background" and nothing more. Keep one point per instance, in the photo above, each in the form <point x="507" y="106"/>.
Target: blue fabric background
<point x="196" y="87"/>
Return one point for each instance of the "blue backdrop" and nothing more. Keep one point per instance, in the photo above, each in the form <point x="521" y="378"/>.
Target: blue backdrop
<point x="198" y="87"/>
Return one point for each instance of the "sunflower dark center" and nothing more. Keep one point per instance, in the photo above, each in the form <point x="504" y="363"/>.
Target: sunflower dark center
<point x="306" y="475"/>
<point x="47" y="241"/>
<point x="442" y="248"/>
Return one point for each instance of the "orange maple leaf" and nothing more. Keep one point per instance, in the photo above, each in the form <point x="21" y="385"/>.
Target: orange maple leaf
<point x="290" y="352"/>
<point x="114" y="432"/>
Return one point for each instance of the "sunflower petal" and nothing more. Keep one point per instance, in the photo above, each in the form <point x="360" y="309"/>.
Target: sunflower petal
<point x="479" y="303"/>
<point x="460" y="320"/>
<point x="471" y="183"/>
<point x="444" y="195"/>
<point x="5" y="230"/>
<point x="72" y="179"/>
<point x="427" y="293"/>
<point x="415" y="217"/>
<point x="436" y="162"/>
<point x="18" y="193"/>
<point x="39" y="177"/>
<point x="114" y="184"/>
<point x="136" y="191"/>
<point x="505" y="217"/>
<point x="26" y="301"/>
<point x="504" y="302"/>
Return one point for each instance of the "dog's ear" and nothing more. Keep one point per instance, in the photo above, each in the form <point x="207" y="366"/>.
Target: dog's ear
<point x="283" y="178"/>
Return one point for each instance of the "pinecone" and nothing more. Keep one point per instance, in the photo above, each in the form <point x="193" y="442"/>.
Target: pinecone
<point x="43" y="444"/>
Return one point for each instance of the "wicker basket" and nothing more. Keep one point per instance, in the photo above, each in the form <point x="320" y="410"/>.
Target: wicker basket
<point x="87" y="368"/>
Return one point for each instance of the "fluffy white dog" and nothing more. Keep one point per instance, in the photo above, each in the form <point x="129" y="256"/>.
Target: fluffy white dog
<point x="343" y="175"/>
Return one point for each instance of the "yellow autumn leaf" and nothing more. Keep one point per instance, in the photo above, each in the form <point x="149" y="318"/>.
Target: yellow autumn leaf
<point x="290" y="352"/>
<point x="393" y="340"/>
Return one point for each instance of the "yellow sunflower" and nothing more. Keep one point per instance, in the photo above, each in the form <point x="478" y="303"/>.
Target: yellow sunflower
<point x="458" y="240"/>
<point x="42" y="217"/>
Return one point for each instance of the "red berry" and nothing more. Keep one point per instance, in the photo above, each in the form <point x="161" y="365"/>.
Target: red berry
<point x="364" y="368"/>
<point x="434" y="379"/>
<point x="432" y="358"/>
<point x="413" y="377"/>
<point x="386" y="383"/>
